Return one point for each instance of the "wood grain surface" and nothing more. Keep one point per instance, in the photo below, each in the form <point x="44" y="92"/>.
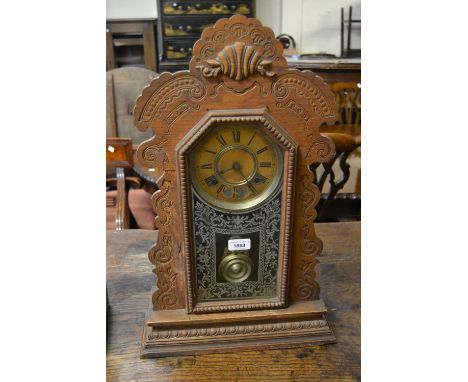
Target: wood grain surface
<point x="129" y="283"/>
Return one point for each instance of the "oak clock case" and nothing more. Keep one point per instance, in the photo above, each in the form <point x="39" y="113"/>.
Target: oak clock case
<point x="236" y="249"/>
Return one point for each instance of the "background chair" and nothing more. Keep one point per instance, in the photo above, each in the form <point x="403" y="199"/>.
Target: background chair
<point x="124" y="85"/>
<point x="348" y="97"/>
<point x="330" y="207"/>
<point x="118" y="156"/>
<point x="341" y="194"/>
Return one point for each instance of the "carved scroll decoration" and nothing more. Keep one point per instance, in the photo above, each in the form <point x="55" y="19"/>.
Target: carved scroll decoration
<point x="168" y="98"/>
<point x="155" y="155"/>
<point x="237" y="61"/>
<point x="295" y="107"/>
<point x="303" y="87"/>
<point x="162" y="253"/>
<point x="309" y="98"/>
<point x="320" y="150"/>
<point x="307" y="244"/>
<point x="185" y="84"/>
<point x="179" y="111"/>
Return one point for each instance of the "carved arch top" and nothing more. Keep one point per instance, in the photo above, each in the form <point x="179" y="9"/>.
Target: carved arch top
<point x="238" y="54"/>
<point x="239" y="49"/>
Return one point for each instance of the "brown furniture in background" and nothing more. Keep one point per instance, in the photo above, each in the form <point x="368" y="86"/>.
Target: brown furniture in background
<point x="345" y="144"/>
<point x="333" y="176"/>
<point x="119" y="156"/>
<point x="330" y="69"/>
<point x="123" y="87"/>
<point x="180" y="24"/>
<point x="129" y="279"/>
<point x="136" y="200"/>
<point x="131" y="43"/>
<point x="348" y="97"/>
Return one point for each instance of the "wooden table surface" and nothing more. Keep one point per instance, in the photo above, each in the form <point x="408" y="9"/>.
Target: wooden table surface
<point x="129" y="283"/>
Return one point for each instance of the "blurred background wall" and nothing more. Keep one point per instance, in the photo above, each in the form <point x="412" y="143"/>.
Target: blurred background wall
<point x="314" y="24"/>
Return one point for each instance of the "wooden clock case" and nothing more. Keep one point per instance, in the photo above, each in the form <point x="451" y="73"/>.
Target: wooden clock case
<point x="237" y="74"/>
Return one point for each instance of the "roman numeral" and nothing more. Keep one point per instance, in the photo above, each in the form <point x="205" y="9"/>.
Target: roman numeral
<point x="209" y="151"/>
<point x="265" y="164"/>
<point x="252" y="188"/>
<point x="211" y="180"/>
<point x="236" y="136"/>
<point x="221" y="140"/>
<point x="206" y="166"/>
<point x="262" y="150"/>
<point x="220" y="189"/>
<point x="259" y="178"/>
<point x="251" y="139"/>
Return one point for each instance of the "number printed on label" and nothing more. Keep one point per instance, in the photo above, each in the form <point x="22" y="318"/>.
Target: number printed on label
<point x="238" y="244"/>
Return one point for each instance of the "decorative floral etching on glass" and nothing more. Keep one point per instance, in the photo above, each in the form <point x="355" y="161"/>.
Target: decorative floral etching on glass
<point x="262" y="223"/>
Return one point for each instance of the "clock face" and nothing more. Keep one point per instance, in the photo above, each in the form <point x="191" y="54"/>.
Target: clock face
<point x="236" y="167"/>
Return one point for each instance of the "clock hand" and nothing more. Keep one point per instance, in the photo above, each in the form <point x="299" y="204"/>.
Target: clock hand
<point x="224" y="172"/>
<point x="237" y="167"/>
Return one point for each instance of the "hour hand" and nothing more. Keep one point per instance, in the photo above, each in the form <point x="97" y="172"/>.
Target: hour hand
<point x="235" y="166"/>
<point x="250" y="185"/>
<point x="225" y="171"/>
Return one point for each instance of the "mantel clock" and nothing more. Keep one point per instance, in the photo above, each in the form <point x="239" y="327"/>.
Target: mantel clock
<point x="236" y="250"/>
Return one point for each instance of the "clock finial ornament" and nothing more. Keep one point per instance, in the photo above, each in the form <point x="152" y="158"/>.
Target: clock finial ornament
<point x="237" y="61"/>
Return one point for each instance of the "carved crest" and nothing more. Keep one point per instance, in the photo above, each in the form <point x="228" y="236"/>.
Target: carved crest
<point x="237" y="61"/>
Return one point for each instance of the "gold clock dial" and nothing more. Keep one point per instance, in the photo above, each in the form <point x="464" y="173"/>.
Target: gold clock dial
<point x="236" y="166"/>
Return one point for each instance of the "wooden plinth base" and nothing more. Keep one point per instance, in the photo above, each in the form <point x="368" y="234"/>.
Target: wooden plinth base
<point x="174" y="332"/>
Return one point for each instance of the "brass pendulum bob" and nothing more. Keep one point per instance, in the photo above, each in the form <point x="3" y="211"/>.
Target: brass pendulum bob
<point x="235" y="266"/>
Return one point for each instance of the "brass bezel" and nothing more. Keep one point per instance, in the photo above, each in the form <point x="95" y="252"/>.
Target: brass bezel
<point x="241" y="206"/>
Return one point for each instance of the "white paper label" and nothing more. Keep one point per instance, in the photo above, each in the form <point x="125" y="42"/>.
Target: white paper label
<point x="111" y="149"/>
<point x="238" y="244"/>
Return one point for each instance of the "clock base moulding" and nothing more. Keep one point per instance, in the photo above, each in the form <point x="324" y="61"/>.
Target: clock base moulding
<point x="176" y="333"/>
